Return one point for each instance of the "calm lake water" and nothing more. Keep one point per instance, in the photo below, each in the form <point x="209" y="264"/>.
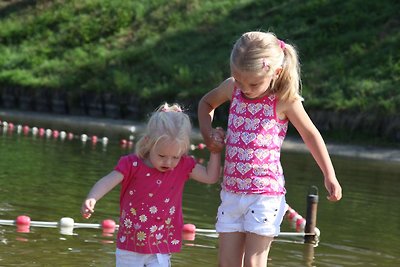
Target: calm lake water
<point x="47" y="179"/>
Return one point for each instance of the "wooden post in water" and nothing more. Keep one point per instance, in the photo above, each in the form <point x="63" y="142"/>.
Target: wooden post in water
<point x="311" y="217"/>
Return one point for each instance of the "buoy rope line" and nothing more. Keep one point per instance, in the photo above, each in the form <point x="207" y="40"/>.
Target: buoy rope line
<point x="63" y="135"/>
<point x="67" y="225"/>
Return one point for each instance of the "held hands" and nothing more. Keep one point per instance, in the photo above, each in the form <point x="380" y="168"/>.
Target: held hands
<point x="88" y="207"/>
<point x="334" y="189"/>
<point x="215" y="140"/>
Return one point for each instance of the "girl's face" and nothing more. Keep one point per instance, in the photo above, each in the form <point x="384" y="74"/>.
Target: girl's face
<point x="165" y="155"/>
<point x="251" y="84"/>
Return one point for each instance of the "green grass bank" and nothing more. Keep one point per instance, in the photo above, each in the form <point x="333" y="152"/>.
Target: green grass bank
<point x="120" y="58"/>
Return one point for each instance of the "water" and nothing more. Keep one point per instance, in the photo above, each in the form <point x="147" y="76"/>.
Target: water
<point x="48" y="179"/>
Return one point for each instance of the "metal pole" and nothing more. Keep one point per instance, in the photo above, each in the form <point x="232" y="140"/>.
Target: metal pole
<point x="311" y="217"/>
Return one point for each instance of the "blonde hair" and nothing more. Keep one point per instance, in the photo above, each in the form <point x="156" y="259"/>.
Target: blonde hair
<point x="167" y="122"/>
<point x="263" y="53"/>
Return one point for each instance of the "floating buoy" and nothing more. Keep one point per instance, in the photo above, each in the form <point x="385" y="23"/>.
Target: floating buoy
<point x="23" y="223"/>
<point x="189" y="232"/>
<point x="10" y="126"/>
<point x="66" y="226"/>
<point x="41" y="132"/>
<point x="63" y="135"/>
<point x="130" y="144"/>
<point x="70" y="136"/>
<point x="48" y="133"/>
<point x="296" y="220"/>
<point x="35" y="131"/>
<point x="94" y="139"/>
<point x="123" y="142"/>
<point x="56" y="134"/>
<point x="19" y="129"/>
<point x="201" y="146"/>
<point x="104" y="141"/>
<point x="26" y="129"/>
<point x="84" y="138"/>
<point x="108" y="226"/>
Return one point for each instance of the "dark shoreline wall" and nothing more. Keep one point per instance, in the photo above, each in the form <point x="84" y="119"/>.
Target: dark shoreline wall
<point x="119" y="106"/>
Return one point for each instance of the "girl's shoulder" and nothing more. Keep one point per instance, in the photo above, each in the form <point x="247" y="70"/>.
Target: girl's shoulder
<point x="229" y="83"/>
<point x="188" y="159"/>
<point x="286" y="105"/>
<point x="227" y="87"/>
<point x="187" y="163"/>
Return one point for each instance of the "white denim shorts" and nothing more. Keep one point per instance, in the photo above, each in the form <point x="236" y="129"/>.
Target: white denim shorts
<point x="255" y="213"/>
<point x="125" y="258"/>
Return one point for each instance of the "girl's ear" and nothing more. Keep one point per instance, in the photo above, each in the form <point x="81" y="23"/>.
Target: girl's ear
<point x="278" y="71"/>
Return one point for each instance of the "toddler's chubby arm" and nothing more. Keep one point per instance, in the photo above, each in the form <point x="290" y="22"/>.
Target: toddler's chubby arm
<point x="209" y="174"/>
<point x="102" y="187"/>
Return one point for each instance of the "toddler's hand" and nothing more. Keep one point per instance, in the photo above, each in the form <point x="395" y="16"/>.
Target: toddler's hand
<point x="88" y="207"/>
<point x="215" y="143"/>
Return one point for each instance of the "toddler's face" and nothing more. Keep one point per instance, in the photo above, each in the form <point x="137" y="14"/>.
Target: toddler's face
<point x="165" y="155"/>
<point x="251" y="84"/>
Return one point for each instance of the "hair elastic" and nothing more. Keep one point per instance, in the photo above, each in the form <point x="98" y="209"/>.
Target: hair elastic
<point x="281" y="44"/>
<point x="165" y="108"/>
<point x="265" y="64"/>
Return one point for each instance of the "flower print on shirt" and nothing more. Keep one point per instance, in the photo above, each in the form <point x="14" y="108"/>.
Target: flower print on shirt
<point x="141" y="236"/>
<point x="153" y="209"/>
<point x="172" y="210"/>
<point x="151" y="213"/>
<point x="127" y="223"/>
<point x="143" y="218"/>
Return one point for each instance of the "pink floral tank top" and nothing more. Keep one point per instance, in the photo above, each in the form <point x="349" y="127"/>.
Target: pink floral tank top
<point x="253" y="143"/>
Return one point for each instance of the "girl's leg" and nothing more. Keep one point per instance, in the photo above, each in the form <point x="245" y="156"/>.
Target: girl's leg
<point x="231" y="249"/>
<point x="256" y="250"/>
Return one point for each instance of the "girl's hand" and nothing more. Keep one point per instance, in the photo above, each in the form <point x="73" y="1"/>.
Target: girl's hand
<point x="334" y="189"/>
<point x="216" y="141"/>
<point x="88" y="207"/>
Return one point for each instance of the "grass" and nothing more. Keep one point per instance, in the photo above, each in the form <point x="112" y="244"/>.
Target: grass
<point x="179" y="49"/>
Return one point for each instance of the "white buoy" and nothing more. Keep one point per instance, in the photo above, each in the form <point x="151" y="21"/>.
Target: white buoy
<point x="35" y="131"/>
<point x="19" y="129"/>
<point x="84" y="138"/>
<point x="66" y="226"/>
<point x="48" y="133"/>
<point x="104" y="141"/>
<point x="63" y="135"/>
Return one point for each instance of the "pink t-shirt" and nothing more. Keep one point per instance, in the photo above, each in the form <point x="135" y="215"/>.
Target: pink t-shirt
<point x="151" y="218"/>
<point x="253" y="143"/>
